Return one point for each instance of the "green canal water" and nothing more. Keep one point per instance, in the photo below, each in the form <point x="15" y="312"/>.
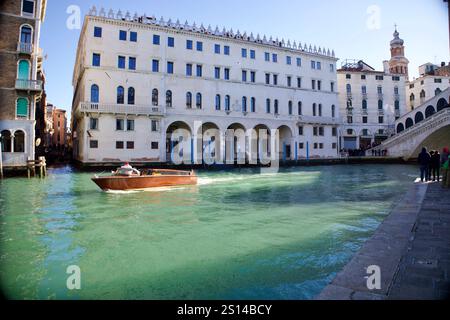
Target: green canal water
<point x="237" y="235"/>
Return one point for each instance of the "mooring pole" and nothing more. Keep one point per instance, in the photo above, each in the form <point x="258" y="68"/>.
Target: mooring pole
<point x="1" y="157"/>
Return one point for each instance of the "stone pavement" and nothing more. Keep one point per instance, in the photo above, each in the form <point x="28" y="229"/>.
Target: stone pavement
<point x="411" y="247"/>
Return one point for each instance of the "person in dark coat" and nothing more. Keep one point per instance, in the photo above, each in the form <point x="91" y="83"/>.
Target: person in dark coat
<point x="430" y="166"/>
<point x="436" y="165"/>
<point x="424" y="161"/>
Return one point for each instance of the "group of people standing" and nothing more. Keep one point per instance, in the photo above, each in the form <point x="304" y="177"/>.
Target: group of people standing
<point x="431" y="164"/>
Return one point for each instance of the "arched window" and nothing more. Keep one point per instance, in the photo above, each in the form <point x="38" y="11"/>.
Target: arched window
<point x="189" y="100"/>
<point x="25" y="35"/>
<point x="364" y="90"/>
<point x="244" y="104"/>
<point x="218" y="100"/>
<point x="23" y="72"/>
<point x="333" y="111"/>
<point x="290" y="107"/>
<point x="120" y="95"/>
<point x="275" y="106"/>
<point x="268" y="105"/>
<point x="395" y="90"/>
<point x="131" y="95"/>
<point x="95" y="93"/>
<point x="19" y="141"/>
<point x="155" y="99"/>
<point x="412" y="97"/>
<point x="253" y="104"/>
<point x="169" y="99"/>
<point x="22" y="107"/>
<point x="300" y="111"/>
<point x="380" y="104"/>
<point x="198" y="100"/>
<point x="422" y="95"/>
<point x="349" y="88"/>
<point x="364" y="104"/>
<point x="397" y="105"/>
<point x="6" y="141"/>
<point x="349" y="104"/>
<point x="314" y="109"/>
<point x="227" y="103"/>
<point x="320" y="109"/>
<point x="437" y="91"/>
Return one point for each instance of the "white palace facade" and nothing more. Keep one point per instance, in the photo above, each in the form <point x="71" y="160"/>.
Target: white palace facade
<point x="138" y="80"/>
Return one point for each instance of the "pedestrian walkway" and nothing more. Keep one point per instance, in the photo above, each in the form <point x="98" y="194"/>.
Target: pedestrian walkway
<point x="411" y="247"/>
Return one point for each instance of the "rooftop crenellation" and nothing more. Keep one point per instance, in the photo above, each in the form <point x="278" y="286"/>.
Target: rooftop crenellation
<point x="144" y="19"/>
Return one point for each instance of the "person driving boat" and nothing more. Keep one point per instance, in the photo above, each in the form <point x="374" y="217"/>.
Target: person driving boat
<point x="127" y="170"/>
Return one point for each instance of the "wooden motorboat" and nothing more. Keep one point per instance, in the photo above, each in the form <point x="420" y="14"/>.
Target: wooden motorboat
<point x="132" y="179"/>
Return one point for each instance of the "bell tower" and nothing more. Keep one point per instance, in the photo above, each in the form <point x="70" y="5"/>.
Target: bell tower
<point x="398" y="63"/>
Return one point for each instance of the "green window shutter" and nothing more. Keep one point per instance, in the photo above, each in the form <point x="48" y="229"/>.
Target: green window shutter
<point x="22" y="107"/>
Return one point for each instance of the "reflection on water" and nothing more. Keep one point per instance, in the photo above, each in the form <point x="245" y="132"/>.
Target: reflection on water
<point x="237" y="235"/>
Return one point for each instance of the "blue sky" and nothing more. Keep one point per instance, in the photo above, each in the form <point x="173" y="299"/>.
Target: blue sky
<point x="338" y="24"/>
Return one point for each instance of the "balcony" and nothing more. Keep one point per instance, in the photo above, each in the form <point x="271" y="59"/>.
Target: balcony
<point x="364" y="112"/>
<point x="29" y="85"/>
<point x="23" y="47"/>
<point x="146" y="110"/>
<point x="380" y="95"/>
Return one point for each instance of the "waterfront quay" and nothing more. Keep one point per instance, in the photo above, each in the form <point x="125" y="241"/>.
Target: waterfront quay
<point x="412" y="249"/>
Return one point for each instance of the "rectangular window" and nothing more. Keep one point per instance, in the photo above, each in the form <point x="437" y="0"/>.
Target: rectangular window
<point x="97" y="32"/>
<point x="93" y="144"/>
<point x="319" y="85"/>
<point x="96" y="60"/>
<point x="199" y="70"/>
<point x="121" y="62"/>
<point x="227" y="74"/>
<point x="332" y="86"/>
<point x="334" y="145"/>
<point x="155" y="65"/>
<point x="155" y="146"/>
<point x="253" y="76"/>
<point x="395" y="78"/>
<point x="300" y="130"/>
<point x="301" y="145"/>
<point x="320" y="145"/>
<point x="319" y="65"/>
<point x="217" y="72"/>
<point x="28" y="6"/>
<point x="189" y="44"/>
<point x="379" y="78"/>
<point x="363" y="77"/>
<point x="364" y="119"/>
<point x="299" y="62"/>
<point x="119" y="144"/>
<point x="314" y="131"/>
<point x="289" y="81"/>
<point x="266" y="56"/>
<point x="217" y="48"/>
<point x="189" y="70"/>
<point x="313" y="84"/>
<point x="267" y="78"/>
<point x="226" y="50"/>
<point x="171" y="42"/>
<point x="133" y="36"/>
<point x="244" y="76"/>
<point x="252" y="54"/>
<point x="331" y="67"/>
<point x="313" y="64"/>
<point x="93" y="123"/>
<point x="156" y="40"/>
<point x="348" y="76"/>
<point x="155" y="126"/>
<point x="119" y="124"/>
<point x="130" y="125"/>
<point x="299" y="82"/>
<point x="274" y="57"/>
<point x="288" y="60"/>
<point x="199" y="46"/>
<point x="170" y="67"/>
<point x="244" y="53"/>
<point x="130" y="144"/>
<point x="122" y="35"/>
<point x="275" y="79"/>
<point x="334" y="132"/>
<point x="437" y="80"/>
<point x="380" y="120"/>
<point x="321" y="131"/>
<point x="132" y="63"/>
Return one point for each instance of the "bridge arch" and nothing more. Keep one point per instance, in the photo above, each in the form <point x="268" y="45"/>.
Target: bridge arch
<point x="442" y="104"/>
<point x="418" y="117"/>
<point x="429" y="111"/>
<point x="409" y="123"/>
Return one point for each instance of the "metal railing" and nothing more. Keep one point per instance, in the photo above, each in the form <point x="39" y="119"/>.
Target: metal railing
<point x="29" y="85"/>
<point x="24" y="47"/>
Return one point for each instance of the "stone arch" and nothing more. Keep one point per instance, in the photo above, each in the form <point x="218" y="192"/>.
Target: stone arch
<point x="400" y="127"/>
<point x="209" y="143"/>
<point x="236" y="143"/>
<point x="409" y="123"/>
<point x="261" y="142"/>
<point x="429" y="111"/>
<point x="6" y="139"/>
<point x="441" y="105"/>
<point x="179" y="142"/>
<point x="19" y="141"/>
<point x="285" y="135"/>
<point x="418" y="117"/>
